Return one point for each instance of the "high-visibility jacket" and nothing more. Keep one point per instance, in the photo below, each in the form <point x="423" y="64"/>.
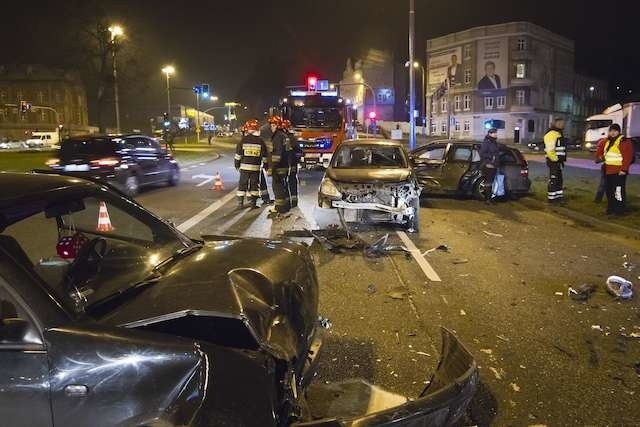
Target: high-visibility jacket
<point x="612" y="153"/>
<point x="617" y="154"/>
<point x="251" y="153"/>
<point x="554" y="146"/>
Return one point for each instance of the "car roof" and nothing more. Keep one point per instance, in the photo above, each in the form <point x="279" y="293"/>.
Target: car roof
<point x="374" y="141"/>
<point x="24" y="187"/>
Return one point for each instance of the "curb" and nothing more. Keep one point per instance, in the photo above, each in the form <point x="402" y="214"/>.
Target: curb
<point x="584" y="220"/>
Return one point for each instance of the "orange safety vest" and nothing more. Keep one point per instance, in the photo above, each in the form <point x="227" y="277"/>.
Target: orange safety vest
<point x="613" y="155"/>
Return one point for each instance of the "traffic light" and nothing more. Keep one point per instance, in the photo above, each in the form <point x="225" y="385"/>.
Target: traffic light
<point x="312" y="83"/>
<point x="372" y="115"/>
<point x="165" y="119"/>
<point x="205" y="90"/>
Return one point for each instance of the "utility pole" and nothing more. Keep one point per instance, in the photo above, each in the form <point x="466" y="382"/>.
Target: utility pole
<point x="412" y="77"/>
<point x="197" y="117"/>
<point x="116" y="31"/>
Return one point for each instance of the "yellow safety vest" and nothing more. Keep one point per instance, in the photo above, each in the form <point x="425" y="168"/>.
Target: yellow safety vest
<point x="613" y="155"/>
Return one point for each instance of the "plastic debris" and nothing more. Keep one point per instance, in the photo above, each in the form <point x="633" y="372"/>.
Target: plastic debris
<point x="502" y="337"/>
<point x="596" y="328"/>
<point x="460" y="261"/>
<point x="381" y="247"/>
<point x="489" y="233"/>
<point x="486" y="350"/>
<point x="325" y="323"/>
<point x="515" y="387"/>
<point x="397" y="293"/>
<point x="559" y="294"/>
<point x="496" y="373"/>
<point x="628" y="265"/>
<point x="443" y="248"/>
<point x="463" y="313"/>
<point x="619" y="287"/>
<point x="582" y="293"/>
<point x="371" y="289"/>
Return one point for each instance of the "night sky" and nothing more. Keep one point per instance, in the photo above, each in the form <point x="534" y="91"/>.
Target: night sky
<point x="246" y="47"/>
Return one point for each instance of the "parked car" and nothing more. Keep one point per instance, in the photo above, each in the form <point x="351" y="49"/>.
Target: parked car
<point x="128" y="162"/>
<point x="373" y="177"/>
<point x="537" y="146"/>
<point x="449" y="167"/>
<point x="133" y="323"/>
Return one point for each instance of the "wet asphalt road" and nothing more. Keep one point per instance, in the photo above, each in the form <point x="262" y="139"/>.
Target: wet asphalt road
<point x="544" y="359"/>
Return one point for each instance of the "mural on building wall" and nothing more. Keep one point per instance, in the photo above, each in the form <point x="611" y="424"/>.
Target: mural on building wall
<point x="445" y="66"/>
<point x="492" y="64"/>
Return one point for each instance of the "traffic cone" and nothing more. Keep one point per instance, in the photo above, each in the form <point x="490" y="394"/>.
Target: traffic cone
<point x="104" y="223"/>
<point x="217" y="183"/>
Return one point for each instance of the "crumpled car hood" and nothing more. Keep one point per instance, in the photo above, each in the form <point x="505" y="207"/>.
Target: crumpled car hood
<point x="271" y="286"/>
<point x="369" y="176"/>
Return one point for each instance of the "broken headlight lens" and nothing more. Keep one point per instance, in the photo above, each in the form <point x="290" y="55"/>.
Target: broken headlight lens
<point x="328" y="188"/>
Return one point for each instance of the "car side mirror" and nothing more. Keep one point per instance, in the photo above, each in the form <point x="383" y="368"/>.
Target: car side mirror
<point x="13" y="330"/>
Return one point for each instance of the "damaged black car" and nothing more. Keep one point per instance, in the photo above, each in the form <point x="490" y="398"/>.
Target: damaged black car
<point x="110" y="316"/>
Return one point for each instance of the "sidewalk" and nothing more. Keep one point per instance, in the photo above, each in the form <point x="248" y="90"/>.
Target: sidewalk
<point x="579" y="163"/>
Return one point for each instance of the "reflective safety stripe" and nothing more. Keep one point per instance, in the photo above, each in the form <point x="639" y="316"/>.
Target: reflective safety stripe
<point x="275" y="158"/>
<point x="281" y="202"/>
<point x="240" y="193"/>
<point x="237" y="157"/>
<point x="255" y="193"/>
<point x="294" y="197"/>
<point x="264" y="160"/>
<point x="248" y="167"/>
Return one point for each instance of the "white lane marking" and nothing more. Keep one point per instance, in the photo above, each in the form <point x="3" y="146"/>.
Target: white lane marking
<point x="417" y="254"/>
<point x="207" y="179"/>
<point x="227" y="225"/>
<point x="197" y="218"/>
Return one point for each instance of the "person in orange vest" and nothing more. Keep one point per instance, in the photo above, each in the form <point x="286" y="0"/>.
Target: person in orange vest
<point x="616" y="152"/>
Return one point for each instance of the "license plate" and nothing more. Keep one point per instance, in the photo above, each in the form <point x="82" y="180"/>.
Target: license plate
<point x="76" y="168"/>
<point x="312" y="155"/>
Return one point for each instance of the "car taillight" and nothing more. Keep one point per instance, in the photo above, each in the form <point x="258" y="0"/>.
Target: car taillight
<point x="524" y="172"/>
<point x="110" y="161"/>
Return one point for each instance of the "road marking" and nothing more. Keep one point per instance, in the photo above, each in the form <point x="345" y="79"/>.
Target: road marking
<point x="227" y="225"/>
<point x="207" y="179"/>
<point x="417" y="255"/>
<point x="197" y="218"/>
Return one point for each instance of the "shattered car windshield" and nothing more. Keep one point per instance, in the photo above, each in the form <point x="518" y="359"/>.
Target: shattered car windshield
<point x="50" y="237"/>
<point x="369" y="156"/>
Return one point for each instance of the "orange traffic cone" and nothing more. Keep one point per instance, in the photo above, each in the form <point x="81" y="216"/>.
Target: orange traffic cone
<point x="104" y="223"/>
<point x="217" y="184"/>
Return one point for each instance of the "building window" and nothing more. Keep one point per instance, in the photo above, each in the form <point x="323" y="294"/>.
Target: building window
<point x="443" y="127"/>
<point x="520" y="97"/>
<point x="467" y="51"/>
<point x="43" y="115"/>
<point x="521" y="70"/>
<point x="443" y="105"/>
<point x="41" y="97"/>
<point x="434" y="128"/>
<point x="457" y="126"/>
<point x="501" y="102"/>
<point x="467" y="76"/>
<point x="434" y="104"/>
<point x="531" y="126"/>
<point x="488" y="102"/>
<point x="58" y="97"/>
<point x="457" y="103"/>
<point x="466" y="102"/>
<point x="466" y="126"/>
<point x="521" y="44"/>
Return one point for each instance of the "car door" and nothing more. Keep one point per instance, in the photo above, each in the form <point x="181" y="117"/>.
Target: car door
<point x="164" y="165"/>
<point x="24" y="369"/>
<point x="146" y="157"/>
<point x="428" y="163"/>
<point x="456" y="165"/>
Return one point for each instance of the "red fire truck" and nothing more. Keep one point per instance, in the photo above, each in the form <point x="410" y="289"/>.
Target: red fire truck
<point x="320" y="120"/>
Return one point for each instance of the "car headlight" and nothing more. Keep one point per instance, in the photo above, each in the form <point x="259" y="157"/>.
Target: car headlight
<point x="328" y="188"/>
<point x="588" y="145"/>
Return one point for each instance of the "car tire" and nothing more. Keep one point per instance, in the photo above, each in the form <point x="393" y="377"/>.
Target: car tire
<point x="479" y="189"/>
<point x="413" y="225"/>
<point x="132" y="185"/>
<point x="174" y="177"/>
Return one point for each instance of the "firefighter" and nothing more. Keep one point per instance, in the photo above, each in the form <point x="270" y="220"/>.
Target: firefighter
<point x="265" y="135"/>
<point x="555" y="148"/>
<point x="279" y="165"/>
<point x="251" y="155"/>
<point x="294" y="159"/>
<point x="616" y="152"/>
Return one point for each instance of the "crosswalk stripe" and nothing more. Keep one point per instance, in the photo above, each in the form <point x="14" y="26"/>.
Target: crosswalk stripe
<point x="200" y="216"/>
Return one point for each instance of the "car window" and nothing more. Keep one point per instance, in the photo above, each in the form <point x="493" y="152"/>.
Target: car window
<point x="461" y="154"/>
<point x="11" y="312"/>
<point x="435" y="153"/>
<point x="373" y="156"/>
<point x="476" y="155"/>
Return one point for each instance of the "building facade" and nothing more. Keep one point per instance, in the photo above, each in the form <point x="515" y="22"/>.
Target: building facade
<point x="375" y="72"/>
<point x="515" y="77"/>
<point x="57" y="97"/>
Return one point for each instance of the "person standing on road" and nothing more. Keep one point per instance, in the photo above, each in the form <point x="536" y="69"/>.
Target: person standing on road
<point x="265" y="134"/>
<point x="251" y="154"/>
<point x="556" y="154"/>
<point x="616" y="152"/>
<point x="295" y="154"/>
<point x="601" y="191"/>
<point x="489" y="162"/>
<point x="279" y="165"/>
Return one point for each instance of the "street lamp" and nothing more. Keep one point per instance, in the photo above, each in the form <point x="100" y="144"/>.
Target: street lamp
<point x="213" y="98"/>
<point x="168" y="71"/>
<point x="116" y="31"/>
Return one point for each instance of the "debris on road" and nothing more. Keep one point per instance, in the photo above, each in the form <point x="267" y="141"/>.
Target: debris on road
<point x="489" y="233"/>
<point x="371" y="289"/>
<point x="443" y="248"/>
<point x="381" y="247"/>
<point x="597" y="328"/>
<point x="325" y="323"/>
<point x="498" y="374"/>
<point x="515" y="387"/>
<point x="559" y="294"/>
<point x="503" y="338"/>
<point x="582" y="293"/>
<point x="619" y="287"/>
<point x="397" y="293"/>
<point x="463" y="313"/>
<point x="627" y="264"/>
<point x="460" y="261"/>
<point x="486" y="350"/>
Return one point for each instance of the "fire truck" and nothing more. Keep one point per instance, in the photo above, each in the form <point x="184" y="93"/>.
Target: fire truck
<point x="321" y="120"/>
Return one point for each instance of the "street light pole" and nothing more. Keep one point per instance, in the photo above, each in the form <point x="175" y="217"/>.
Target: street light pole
<point x="168" y="70"/>
<point x="115" y="31"/>
<point x="424" y="102"/>
<point x="197" y="117"/>
<point x="412" y="77"/>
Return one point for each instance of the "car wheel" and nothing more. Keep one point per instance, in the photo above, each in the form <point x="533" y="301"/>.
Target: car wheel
<point x="174" y="177"/>
<point x="413" y="225"/>
<point x="132" y="185"/>
<point x="480" y="189"/>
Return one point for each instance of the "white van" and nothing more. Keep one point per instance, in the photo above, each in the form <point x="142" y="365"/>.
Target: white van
<point x="42" y="139"/>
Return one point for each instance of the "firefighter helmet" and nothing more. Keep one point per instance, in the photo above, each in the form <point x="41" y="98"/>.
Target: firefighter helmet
<point x="275" y="120"/>
<point x="251" y="126"/>
<point x="286" y="124"/>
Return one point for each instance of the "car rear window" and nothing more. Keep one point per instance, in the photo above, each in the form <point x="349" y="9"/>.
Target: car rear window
<point x="88" y="147"/>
